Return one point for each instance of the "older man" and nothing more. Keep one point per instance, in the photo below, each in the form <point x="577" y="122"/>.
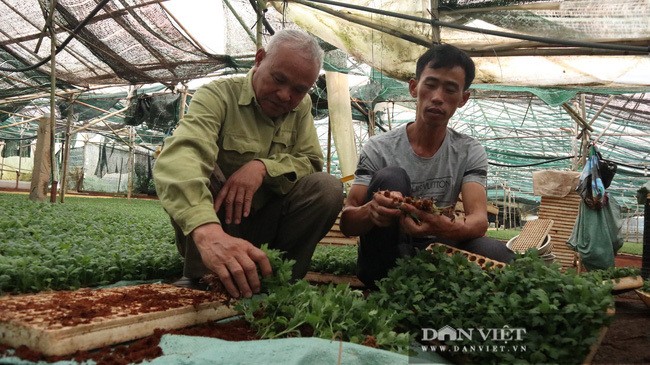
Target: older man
<point x="247" y="149"/>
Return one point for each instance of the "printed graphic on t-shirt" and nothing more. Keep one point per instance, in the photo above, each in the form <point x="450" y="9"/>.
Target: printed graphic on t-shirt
<point x="435" y="188"/>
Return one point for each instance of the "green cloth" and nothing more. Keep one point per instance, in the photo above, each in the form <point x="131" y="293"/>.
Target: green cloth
<point x="194" y="350"/>
<point x="178" y="349"/>
<point x="226" y="111"/>
<point x="597" y="235"/>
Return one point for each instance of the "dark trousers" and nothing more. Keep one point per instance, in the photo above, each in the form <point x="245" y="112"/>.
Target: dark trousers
<point x="293" y="224"/>
<point x="380" y="247"/>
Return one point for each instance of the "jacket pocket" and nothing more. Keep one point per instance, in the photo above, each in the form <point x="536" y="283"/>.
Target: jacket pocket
<point x="283" y="142"/>
<point x="235" y="151"/>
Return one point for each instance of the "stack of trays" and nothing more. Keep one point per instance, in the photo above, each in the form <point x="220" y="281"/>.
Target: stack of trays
<point x="544" y="251"/>
<point x="535" y="235"/>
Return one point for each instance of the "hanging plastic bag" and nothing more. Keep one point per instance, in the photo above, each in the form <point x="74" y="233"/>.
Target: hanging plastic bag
<point x="596" y="176"/>
<point x="597" y="235"/>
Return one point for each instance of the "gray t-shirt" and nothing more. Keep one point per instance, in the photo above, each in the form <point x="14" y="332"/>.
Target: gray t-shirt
<point x="460" y="159"/>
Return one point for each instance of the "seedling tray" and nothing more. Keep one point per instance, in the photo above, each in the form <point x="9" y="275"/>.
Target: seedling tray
<point x="626" y="283"/>
<point x="482" y="261"/>
<point x="63" y="322"/>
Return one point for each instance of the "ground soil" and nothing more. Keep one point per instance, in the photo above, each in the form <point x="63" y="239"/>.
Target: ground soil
<point x="627" y="340"/>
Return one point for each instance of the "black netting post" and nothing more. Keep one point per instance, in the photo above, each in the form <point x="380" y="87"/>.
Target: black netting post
<point x="645" y="261"/>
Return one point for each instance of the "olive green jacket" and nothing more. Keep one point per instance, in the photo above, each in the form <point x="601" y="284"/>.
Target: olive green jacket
<point x="225" y="124"/>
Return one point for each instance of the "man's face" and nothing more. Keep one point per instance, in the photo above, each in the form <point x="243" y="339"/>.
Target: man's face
<point x="439" y="92"/>
<point x="281" y="79"/>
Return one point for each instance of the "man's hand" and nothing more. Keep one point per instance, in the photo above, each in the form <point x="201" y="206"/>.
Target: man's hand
<point x="383" y="210"/>
<point x="237" y="193"/>
<point x="418" y="223"/>
<point x="232" y="259"/>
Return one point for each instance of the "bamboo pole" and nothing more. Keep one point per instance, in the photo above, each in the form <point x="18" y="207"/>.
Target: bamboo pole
<point x="435" y="16"/>
<point x="131" y="162"/>
<point x="604" y="130"/>
<point x="584" y="134"/>
<point x="329" y="145"/>
<point x="98" y="120"/>
<point x="66" y="153"/>
<point x="600" y="110"/>
<point x="583" y="107"/>
<point x="41" y="173"/>
<point x="20" y="159"/>
<point x="2" y="159"/>
<point x="240" y="20"/>
<point x="19" y="123"/>
<point x="119" y="178"/>
<point x="94" y="107"/>
<point x="13" y="114"/>
<point x="114" y="132"/>
<point x="258" y="26"/>
<point x="41" y="95"/>
<point x="505" y="205"/>
<point x="577" y="117"/>
<point x="509" y="209"/>
<point x="181" y="109"/>
<point x="645" y="258"/>
<point x="53" y="171"/>
<point x="80" y="181"/>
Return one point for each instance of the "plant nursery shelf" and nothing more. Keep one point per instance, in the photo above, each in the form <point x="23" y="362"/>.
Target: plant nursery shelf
<point x="63" y="322"/>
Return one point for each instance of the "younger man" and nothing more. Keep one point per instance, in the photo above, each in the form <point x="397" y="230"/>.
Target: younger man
<point x="424" y="159"/>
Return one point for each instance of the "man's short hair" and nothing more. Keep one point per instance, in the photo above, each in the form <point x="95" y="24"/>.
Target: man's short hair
<point x="446" y="56"/>
<point x="298" y="40"/>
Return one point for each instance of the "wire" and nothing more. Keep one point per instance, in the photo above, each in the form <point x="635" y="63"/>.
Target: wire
<point x="532" y="164"/>
<point x="62" y="45"/>
<point x="637" y="167"/>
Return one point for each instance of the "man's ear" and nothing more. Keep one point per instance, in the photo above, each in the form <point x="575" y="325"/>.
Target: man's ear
<point x="413" y="84"/>
<point x="466" y="94"/>
<point x="259" y="56"/>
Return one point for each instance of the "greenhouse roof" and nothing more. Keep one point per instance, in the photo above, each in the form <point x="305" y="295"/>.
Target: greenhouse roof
<point x="542" y="43"/>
